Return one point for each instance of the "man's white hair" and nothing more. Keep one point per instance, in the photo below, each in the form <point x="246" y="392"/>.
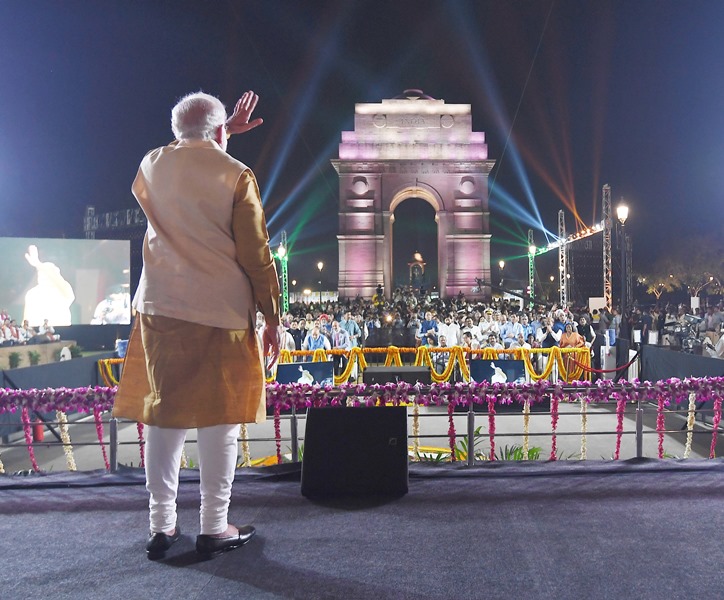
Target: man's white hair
<point x="197" y="116"/>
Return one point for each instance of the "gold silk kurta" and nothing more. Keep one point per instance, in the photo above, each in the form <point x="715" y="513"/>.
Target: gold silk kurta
<point x="181" y="373"/>
<point x="185" y="375"/>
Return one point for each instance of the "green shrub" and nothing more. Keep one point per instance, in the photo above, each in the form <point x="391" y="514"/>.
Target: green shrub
<point x="14" y="359"/>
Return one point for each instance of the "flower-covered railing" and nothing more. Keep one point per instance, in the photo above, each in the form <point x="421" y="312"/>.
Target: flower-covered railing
<point x="577" y="367"/>
<point x="296" y="397"/>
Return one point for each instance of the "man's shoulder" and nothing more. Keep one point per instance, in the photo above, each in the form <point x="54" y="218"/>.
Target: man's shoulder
<point x="208" y="149"/>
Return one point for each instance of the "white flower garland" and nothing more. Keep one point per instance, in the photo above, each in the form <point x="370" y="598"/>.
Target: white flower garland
<point x="690" y="424"/>
<point x="65" y="438"/>
<point x="244" y="435"/>
<point x="526" y="428"/>
<point x="415" y="428"/>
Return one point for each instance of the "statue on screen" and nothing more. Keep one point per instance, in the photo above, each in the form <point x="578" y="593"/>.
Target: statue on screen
<point x="51" y="297"/>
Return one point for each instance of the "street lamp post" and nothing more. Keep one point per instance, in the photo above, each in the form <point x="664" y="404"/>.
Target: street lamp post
<point x="622" y="215"/>
<point x="501" y="265"/>
<point x="320" y="266"/>
<point x="623" y="342"/>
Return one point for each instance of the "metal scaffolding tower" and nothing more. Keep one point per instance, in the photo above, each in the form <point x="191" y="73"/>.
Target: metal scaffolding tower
<point x="607" y="228"/>
<point x="119" y="219"/>
<point x="562" y="260"/>
<point x="283" y="255"/>
<point x="531" y="268"/>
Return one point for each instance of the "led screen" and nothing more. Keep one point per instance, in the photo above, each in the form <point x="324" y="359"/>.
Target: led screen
<point x="68" y="282"/>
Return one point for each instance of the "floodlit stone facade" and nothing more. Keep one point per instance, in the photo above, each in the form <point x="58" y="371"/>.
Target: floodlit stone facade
<point x="413" y="146"/>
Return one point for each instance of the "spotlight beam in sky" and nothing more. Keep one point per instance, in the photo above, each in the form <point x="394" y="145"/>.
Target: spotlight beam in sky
<point x="477" y="54"/>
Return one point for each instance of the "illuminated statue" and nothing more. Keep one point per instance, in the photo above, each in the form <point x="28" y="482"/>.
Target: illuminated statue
<point x="52" y="296"/>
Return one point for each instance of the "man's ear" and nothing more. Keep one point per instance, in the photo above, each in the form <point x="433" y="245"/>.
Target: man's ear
<point x="220" y="135"/>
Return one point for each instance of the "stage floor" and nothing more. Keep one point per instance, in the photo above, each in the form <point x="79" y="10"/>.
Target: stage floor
<point x="633" y="529"/>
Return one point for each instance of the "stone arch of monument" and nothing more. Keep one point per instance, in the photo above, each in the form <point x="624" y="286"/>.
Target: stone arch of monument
<point x="413" y="146"/>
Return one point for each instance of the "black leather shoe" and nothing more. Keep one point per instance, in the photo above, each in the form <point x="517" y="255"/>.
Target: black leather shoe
<point x="158" y="543"/>
<point x="208" y="545"/>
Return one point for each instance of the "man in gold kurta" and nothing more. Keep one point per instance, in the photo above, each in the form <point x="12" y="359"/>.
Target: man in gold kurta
<point x="194" y="360"/>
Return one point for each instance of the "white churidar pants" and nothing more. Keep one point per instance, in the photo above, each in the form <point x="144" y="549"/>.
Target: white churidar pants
<point x="217" y="451"/>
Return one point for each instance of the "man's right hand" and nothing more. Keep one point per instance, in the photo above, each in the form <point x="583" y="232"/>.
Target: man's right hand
<point x="271" y="341"/>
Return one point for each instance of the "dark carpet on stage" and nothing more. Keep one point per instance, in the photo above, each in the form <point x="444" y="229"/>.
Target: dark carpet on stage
<point x="634" y="529"/>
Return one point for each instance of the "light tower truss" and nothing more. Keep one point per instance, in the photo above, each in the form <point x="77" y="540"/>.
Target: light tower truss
<point x="607" y="229"/>
<point x="531" y="268"/>
<point x="562" y="262"/>
<point x="284" y="259"/>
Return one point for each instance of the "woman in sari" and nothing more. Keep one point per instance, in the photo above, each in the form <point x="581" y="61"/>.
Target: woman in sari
<point x="570" y="339"/>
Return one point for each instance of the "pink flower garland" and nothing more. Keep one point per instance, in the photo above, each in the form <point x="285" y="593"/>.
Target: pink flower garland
<point x="99" y="399"/>
<point x="491" y="425"/>
<point x="99" y="431"/>
<point x="661" y="424"/>
<point x="620" y="409"/>
<point x="141" y="445"/>
<point x="451" y="430"/>
<point x="25" y="417"/>
<point x="278" y="432"/>
<point x="554" y="425"/>
<point x="715" y="425"/>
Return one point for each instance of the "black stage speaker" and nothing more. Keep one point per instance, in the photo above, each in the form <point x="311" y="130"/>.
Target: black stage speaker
<point x="355" y="452"/>
<point x="396" y="374"/>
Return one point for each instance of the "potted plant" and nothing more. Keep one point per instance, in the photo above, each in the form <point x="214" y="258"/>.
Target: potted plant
<point x="14" y="359"/>
<point x="34" y="357"/>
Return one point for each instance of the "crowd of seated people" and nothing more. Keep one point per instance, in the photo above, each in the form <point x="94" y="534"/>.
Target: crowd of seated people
<point x="13" y="335"/>
<point x="409" y="319"/>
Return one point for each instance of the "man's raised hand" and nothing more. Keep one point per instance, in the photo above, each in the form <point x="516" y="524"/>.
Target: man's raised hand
<point x="239" y="122"/>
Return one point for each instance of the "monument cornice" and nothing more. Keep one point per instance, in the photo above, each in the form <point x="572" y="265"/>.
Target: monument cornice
<point x="412" y="166"/>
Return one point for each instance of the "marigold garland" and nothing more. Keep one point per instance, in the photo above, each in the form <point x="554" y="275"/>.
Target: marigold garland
<point x="393" y="357"/>
<point x="105" y="368"/>
<point x="456" y="355"/>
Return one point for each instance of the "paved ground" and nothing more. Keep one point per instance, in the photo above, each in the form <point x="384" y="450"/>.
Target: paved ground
<point x="600" y="439"/>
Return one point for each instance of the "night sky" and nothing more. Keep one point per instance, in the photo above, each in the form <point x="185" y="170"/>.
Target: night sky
<point x="572" y="94"/>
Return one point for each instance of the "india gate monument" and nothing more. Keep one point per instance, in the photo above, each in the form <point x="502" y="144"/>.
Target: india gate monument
<point x="413" y="146"/>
